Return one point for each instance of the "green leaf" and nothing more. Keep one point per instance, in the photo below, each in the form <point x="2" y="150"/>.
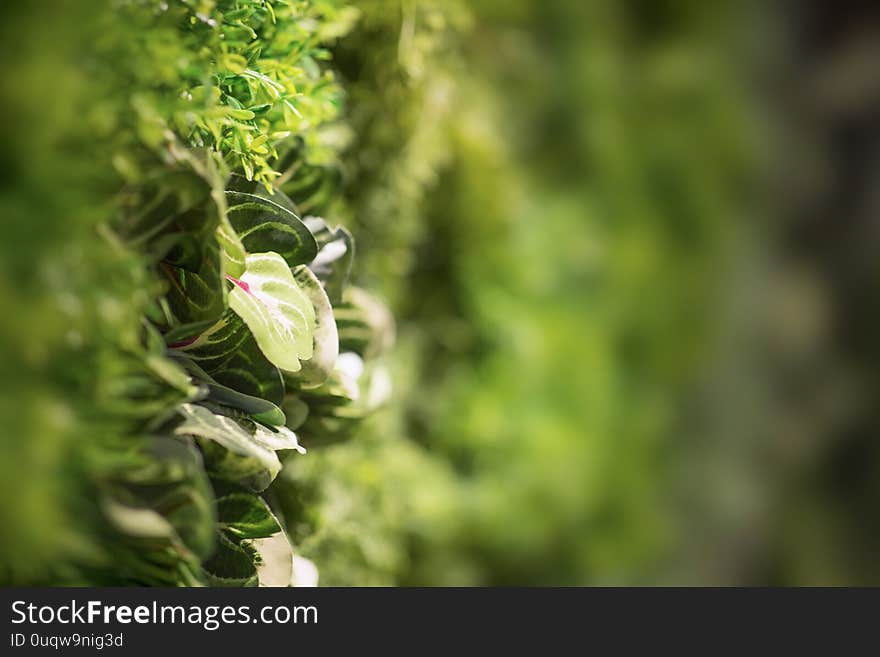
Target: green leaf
<point x="155" y="359"/>
<point x="250" y="372"/>
<point x="217" y="344"/>
<point x="246" y="516"/>
<point x="264" y="224"/>
<point x="231" y="246"/>
<point x="333" y="410"/>
<point x="240" y="114"/>
<point x="337" y="406"/>
<point x="137" y="521"/>
<point x="229" y="354"/>
<point x="278" y="313"/>
<point x="233" y="564"/>
<point x="313" y="187"/>
<point x="159" y="206"/>
<point x="186" y="333"/>
<point x="249" y="529"/>
<point x="225" y="466"/>
<point x="251" y="440"/>
<point x="170" y="373"/>
<point x="197" y="296"/>
<point x="259" y="409"/>
<point x="232" y="62"/>
<point x="203" y="248"/>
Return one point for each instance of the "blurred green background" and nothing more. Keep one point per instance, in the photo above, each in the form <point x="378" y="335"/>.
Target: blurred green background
<point x="630" y="247"/>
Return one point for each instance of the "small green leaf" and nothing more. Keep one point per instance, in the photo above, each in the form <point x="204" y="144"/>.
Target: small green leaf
<point x="232" y="62"/>
<point x="240" y="114"/>
<point x="259" y="409"/>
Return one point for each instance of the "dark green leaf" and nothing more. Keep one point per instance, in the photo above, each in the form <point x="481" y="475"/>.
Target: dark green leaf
<point x="246" y="515"/>
<point x="265" y="225"/>
<point x="231" y="357"/>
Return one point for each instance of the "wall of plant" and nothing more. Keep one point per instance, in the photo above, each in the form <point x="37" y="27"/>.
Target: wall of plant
<point x="377" y="292"/>
<point x="204" y="328"/>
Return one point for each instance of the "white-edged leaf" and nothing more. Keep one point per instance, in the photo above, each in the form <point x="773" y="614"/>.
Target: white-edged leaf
<point x="316" y="369"/>
<point x="269" y="224"/>
<point x="332" y="263"/>
<point x="259" y="443"/>
<point x="278" y="313"/>
<point x="250" y="531"/>
<point x="276" y="560"/>
<point x="277" y="438"/>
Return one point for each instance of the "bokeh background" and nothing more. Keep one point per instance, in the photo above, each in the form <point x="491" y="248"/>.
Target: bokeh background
<point x="631" y="250"/>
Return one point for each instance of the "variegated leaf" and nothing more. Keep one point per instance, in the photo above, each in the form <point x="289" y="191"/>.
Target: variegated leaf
<point x="248" y="439"/>
<point x="197" y="296"/>
<point x="260" y="409"/>
<point x="229" y="354"/>
<point x="253" y="547"/>
<point x="278" y="313"/>
<point x="264" y="224"/>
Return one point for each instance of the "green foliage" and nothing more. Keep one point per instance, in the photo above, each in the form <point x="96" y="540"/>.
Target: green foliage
<point x="554" y="253"/>
<point x="547" y="192"/>
<point x="235" y="77"/>
<point x="265" y="226"/>
<point x="218" y="322"/>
